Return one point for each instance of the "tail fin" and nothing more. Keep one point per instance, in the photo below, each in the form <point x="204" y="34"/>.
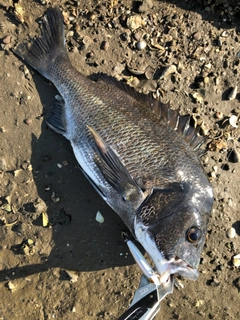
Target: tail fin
<point x="49" y="46"/>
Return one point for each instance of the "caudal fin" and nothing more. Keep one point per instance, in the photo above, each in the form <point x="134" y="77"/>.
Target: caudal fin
<point x="49" y="46"/>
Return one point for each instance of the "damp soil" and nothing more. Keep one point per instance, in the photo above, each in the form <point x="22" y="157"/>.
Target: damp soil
<point x="75" y="267"/>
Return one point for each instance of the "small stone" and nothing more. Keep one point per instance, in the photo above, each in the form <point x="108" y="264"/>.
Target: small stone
<point x="219" y="115"/>
<point x="17" y="172"/>
<point x="28" y="121"/>
<point x="99" y="218"/>
<point x="178" y="284"/>
<point x="69" y="34"/>
<point x="11" y="286"/>
<point x="168" y="70"/>
<point x="104" y="45"/>
<point x="145" y="6"/>
<point x="45" y="220"/>
<point x="134" y="22"/>
<point x="197" y="36"/>
<point x="72" y="275"/>
<point x="7" y="207"/>
<point x="7" y="39"/>
<point x="141" y="45"/>
<point x="206" y="80"/>
<point x="231" y="232"/>
<point x="199" y="303"/>
<point x="3" y="164"/>
<point x="233" y="93"/>
<point x="225" y="34"/>
<point x="87" y="41"/>
<point x="233" y="155"/>
<point x="236" y="260"/>
<point x="138" y="35"/>
<point x="197" y="96"/>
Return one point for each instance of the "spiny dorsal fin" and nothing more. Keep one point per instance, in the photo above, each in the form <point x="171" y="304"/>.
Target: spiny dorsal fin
<point x="179" y="123"/>
<point x="114" y="171"/>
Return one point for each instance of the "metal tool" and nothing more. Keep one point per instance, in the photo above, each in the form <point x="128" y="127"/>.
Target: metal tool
<point x="146" y="301"/>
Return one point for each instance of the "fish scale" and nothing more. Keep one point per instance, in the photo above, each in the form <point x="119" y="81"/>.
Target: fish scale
<point x="136" y="151"/>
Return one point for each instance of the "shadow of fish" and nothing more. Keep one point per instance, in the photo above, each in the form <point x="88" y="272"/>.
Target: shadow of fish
<point x="141" y="156"/>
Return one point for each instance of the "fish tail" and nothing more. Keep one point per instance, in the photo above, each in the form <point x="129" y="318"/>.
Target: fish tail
<point x="47" y="48"/>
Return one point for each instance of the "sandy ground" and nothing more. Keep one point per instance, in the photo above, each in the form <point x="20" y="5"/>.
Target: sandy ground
<point x="77" y="268"/>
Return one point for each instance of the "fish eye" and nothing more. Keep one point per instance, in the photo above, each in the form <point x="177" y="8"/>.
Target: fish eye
<point x="193" y="234"/>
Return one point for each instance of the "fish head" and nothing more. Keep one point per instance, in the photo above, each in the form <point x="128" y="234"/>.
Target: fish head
<point x="171" y="225"/>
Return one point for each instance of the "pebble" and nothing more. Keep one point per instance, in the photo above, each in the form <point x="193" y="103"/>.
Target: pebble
<point x="3" y="164"/>
<point x="7" y="39"/>
<point x="206" y="80"/>
<point x="233" y="93"/>
<point x="45" y="220"/>
<point x="105" y="45"/>
<point x="11" y="286"/>
<point x="197" y="36"/>
<point x="197" y="96"/>
<point x="72" y="275"/>
<point x="178" y="284"/>
<point x="168" y="70"/>
<point x="233" y="155"/>
<point x="145" y="5"/>
<point x="225" y="34"/>
<point x="141" y="45"/>
<point x="231" y="232"/>
<point x="219" y="115"/>
<point x="236" y="260"/>
<point x="138" y="35"/>
<point x="134" y="22"/>
<point x="99" y="218"/>
<point x="28" y="121"/>
<point x="87" y="41"/>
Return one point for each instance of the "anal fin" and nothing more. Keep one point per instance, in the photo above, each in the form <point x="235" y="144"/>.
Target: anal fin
<point x="55" y="120"/>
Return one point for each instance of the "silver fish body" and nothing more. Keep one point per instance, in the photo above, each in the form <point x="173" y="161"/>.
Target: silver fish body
<point x="134" y="150"/>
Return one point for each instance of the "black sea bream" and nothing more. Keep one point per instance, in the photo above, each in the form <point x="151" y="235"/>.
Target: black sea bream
<point x="141" y="156"/>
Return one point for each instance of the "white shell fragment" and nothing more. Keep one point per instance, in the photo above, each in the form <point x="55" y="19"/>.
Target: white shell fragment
<point x="168" y="70"/>
<point x="231" y="232"/>
<point x="11" y="286"/>
<point x="233" y="121"/>
<point x="236" y="260"/>
<point x="45" y="221"/>
<point x="99" y="218"/>
<point x="197" y="96"/>
<point x="233" y="93"/>
<point x="72" y="275"/>
<point x="135" y="22"/>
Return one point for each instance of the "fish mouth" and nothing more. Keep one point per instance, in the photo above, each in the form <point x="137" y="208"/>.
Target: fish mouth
<point x="164" y="267"/>
<point x="167" y="268"/>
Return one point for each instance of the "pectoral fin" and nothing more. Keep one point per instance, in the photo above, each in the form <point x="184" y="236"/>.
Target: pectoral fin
<point x="114" y="171"/>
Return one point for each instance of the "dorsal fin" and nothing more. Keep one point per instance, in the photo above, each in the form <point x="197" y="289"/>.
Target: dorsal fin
<point x="179" y="123"/>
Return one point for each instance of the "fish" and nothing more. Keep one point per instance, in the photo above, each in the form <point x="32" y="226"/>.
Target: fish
<point x="140" y="155"/>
